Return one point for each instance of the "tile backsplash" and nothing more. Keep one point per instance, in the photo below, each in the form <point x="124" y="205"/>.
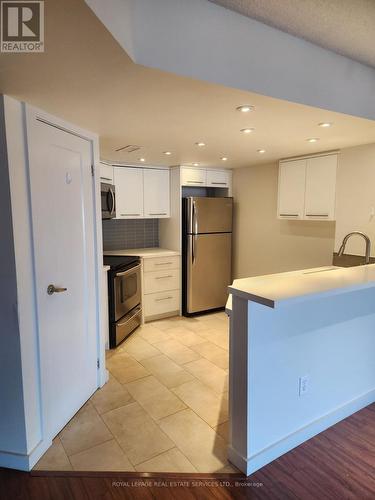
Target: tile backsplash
<point x="128" y="233"/>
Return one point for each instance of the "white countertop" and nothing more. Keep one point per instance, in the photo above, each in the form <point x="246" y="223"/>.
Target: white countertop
<point x="275" y="290"/>
<point x="145" y="253"/>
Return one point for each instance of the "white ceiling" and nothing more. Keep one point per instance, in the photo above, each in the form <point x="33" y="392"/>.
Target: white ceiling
<point x="343" y="26"/>
<point x="87" y="78"/>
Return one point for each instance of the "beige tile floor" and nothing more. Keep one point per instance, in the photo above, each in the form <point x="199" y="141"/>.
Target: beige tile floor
<point x="164" y="409"/>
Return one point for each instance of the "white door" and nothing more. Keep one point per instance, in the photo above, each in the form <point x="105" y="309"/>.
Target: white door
<point x="321" y="188"/>
<point x="63" y="218"/>
<point x="156" y="193"/>
<point x="291" y="198"/>
<point x="129" y="192"/>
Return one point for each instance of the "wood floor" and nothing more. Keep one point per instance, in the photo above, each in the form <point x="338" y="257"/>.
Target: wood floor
<point x="337" y="464"/>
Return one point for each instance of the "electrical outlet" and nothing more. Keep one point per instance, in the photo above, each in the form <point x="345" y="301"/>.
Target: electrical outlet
<point x="304" y="383"/>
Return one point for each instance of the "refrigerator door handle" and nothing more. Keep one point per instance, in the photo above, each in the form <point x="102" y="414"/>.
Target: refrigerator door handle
<point x="192" y="250"/>
<point x="194" y="219"/>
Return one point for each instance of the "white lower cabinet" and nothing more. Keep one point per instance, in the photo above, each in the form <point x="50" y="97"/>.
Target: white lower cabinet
<point x="161" y="287"/>
<point x="162" y="263"/>
<point x="159" y="281"/>
<point x="161" y="303"/>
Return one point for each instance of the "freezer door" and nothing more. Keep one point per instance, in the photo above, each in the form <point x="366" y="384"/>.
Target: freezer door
<point x="209" y="215"/>
<point x="208" y="271"/>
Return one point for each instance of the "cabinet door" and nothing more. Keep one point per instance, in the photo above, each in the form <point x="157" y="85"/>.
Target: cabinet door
<point x="291" y="197"/>
<point x="129" y="192"/>
<point x="193" y="177"/>
<point x="321" y="188"/>
<point x="156" y="193"/>
<point x="106" y="173"/>
<point x="218" y="178"/>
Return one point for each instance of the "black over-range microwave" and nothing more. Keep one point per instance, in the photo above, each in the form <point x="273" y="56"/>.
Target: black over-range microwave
<point x="108" y="192"/>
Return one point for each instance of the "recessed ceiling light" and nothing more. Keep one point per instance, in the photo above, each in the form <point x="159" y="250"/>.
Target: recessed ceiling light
<point x="245" y="108"/>
<point x="313" y="139"/>
<point x="142" y="159"/>
<point x="325" y="124"/>
<point x="168" y="153"/>
<point x="261" y="151"/>
<point x="224" y="158"/>
<point x="200" y="144"/>
<point x="246" y="130"/>
<point x="196" y="164"/>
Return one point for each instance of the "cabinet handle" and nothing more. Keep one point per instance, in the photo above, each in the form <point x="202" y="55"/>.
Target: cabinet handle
<point x="162" y="263"/>
<point x="220" y="183"/>
<point x="106" y="178"/>
<point x="163" y="277"/>
<point x="195" y="182"/>
<point x="289" y="215"/>
<point x="161" y="213"/>
<point x="164" y="298"/>
<point x="317" y="215"/>
<point x="129" y="215"/>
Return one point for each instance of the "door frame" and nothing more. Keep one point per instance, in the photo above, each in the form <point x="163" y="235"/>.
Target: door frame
<point x="32" y="116"/>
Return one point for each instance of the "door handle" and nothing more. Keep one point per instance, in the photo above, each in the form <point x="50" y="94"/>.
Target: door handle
<point x="51" y="289"/>
<point x="193" y="249"/>
<point x="113" y="206"/>
<point x="194" y="218"/>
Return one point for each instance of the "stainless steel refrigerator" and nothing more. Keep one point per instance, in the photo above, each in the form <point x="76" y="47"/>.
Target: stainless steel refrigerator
<point x="207" y="252"/>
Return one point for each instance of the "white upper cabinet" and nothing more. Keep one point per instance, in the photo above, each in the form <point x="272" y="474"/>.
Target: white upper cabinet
<point x="291" y="200"/>
<point x="106" y="173"/>
<point x="156" y="193"/>
<point x="129" y="192"/>
<point x="218" y="178"/>
<point x="142" y="193"/>
<point x="201" y="177"/>
<point x="321" y="187"/>
<point x="307" y="188"/>
<point x="193" y="177"/>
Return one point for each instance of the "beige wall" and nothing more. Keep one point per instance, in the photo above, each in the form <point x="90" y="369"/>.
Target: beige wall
<point x="262" y="243"/>
<point x="355" y="197"/>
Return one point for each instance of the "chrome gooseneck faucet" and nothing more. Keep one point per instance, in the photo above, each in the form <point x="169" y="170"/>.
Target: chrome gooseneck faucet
<point x="367" y="240"/>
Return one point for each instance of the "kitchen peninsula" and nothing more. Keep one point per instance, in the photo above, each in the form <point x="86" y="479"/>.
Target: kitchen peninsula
<point x="301" y="357"/>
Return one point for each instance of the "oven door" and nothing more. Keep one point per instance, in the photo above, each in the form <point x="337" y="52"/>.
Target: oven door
<point x="108" y="201"/>
<point x="127" y="291"/>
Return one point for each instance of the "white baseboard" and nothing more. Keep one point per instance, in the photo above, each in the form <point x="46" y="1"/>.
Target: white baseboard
<point x="23" y="462"/>
<point x="267" y="455"/>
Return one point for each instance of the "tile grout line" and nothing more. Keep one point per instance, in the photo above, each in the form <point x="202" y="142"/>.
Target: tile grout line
<point x="187" y="407"/>
<point x="175" y="447"/>
<point x="169" y="389"/>
<point x="113" y="436"/>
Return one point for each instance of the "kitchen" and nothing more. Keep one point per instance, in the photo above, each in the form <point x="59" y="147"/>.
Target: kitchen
<point x="300" y="178"/>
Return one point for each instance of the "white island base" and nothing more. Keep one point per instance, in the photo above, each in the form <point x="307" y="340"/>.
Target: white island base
<point x="302" y="358"/>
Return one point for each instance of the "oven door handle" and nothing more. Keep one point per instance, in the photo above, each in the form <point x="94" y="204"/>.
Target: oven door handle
<point x="129" y="271"/>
